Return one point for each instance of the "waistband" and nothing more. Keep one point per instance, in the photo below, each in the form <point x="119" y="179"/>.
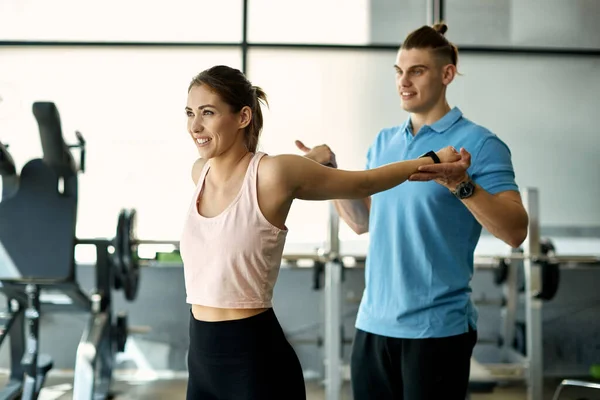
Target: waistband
<point x="240" y="335"/>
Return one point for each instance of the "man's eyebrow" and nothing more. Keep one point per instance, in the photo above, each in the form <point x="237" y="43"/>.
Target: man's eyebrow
<point x="412" y="67"/>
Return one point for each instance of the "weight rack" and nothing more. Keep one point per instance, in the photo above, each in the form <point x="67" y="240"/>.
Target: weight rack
<point x="514" y="365"/>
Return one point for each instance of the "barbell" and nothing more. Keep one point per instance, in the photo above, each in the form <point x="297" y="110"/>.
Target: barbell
<point x="547" y="259"/>
<point x="125" y="256"/>
<point x="481" y="261"/>
<point x="126" y="262"/>
<point x="124" y="259"/>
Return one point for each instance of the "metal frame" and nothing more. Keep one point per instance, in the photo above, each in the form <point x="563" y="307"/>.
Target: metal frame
<point x="533" y="306"/>
<point x="104" y="335"/>
<point x="514" y="365"/>
<point x="13" y="325"/>
<point x="333" y="310"/>
<point x="435" y="12"/>
<point x="94" y="360"/>
<point x="574" y="383"/>
<point x="246" y="46"/>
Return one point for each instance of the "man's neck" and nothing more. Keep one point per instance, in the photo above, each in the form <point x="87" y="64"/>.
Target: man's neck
<point x="418" y="120"/>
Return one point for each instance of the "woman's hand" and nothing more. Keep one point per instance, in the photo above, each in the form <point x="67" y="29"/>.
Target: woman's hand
<point x="448" y="154"/>
<point x="451" y="172"/>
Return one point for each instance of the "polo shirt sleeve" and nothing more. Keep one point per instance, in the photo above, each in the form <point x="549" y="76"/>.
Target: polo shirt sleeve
<point x="373" y="150"/>
<point x="492" y="167"/>
<point x="368" y="164"/>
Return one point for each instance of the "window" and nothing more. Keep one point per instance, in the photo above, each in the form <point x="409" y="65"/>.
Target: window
<point x="524" y="23"/>
<point x="341" y="98"/>
<point x="129" y="106"/>
<point x="114" y="20"/>
<point x="392" y="21"/>
<point x="356" y="22"/>
<point x="540" y="116"/>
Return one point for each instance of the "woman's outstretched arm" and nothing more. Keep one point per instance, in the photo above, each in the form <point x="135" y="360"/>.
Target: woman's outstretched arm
<point x="308" y="180"/>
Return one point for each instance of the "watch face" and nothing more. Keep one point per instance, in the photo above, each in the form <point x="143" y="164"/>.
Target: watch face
<point x="465" y="190"/>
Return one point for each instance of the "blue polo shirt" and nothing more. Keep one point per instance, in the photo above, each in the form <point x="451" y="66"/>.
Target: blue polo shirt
<point x="422" y="238"/>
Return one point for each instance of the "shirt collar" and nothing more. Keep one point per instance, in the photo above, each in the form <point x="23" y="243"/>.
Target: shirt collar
<point x="441" y="125"/>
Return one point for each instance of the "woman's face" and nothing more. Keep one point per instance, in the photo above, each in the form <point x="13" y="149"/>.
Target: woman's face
<point x="212" y="125"/>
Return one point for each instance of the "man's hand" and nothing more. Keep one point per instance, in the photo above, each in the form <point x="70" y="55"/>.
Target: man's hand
<point x="449" y="174"/>
<point x="448" y="154"/>
<point x="321" y="154"/>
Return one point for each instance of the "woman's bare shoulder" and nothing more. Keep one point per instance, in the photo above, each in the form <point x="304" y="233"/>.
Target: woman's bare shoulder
<point x="276" y="166"/>
<point x="197" y="169"/>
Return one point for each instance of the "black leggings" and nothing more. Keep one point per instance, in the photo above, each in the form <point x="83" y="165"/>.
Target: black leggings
<point x="246" y="359"/>
<point x="385" y="368"/>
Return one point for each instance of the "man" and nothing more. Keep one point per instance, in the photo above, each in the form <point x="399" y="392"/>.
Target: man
<point x="416" y="325"/>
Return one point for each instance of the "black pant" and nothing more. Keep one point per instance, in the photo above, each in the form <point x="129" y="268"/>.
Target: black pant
<point x="384" y="368"/>
<point x="247" y="359"/>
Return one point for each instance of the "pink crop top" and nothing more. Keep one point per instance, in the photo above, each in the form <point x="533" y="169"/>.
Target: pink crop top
<point x="233" y="259"/>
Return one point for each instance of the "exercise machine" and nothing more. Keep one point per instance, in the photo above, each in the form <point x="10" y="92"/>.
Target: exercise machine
<point x="533" y="271"/>
<point x="592" y="386"/>
<point x="536" y="262"/>
<point x="38" y="215"/>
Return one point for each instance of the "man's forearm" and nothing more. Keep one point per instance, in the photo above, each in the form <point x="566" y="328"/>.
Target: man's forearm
<point x="503" y="217"/>
<point x="355" y="213"/>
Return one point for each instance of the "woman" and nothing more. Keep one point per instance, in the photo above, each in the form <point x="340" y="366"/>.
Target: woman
<point x="234" y="235"/>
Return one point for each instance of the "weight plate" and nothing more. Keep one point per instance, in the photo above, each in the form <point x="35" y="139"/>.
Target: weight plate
<point x="550" y="272"/>
<point x="117" y="256"/>
<point x="131" y="270"/>
<point x="501" y="273"/>
<point x="121" y="330"/>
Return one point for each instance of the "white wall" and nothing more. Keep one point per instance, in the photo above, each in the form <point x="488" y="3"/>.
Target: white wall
<point x="541" y="106"/>
<point x="309" y="21"/>
<point x="524" y="23"/>
<point x="544" y="108"/>
<point x="115" y="20"/>
<point x="128" y="105"/>
<point x="128" y="101"/>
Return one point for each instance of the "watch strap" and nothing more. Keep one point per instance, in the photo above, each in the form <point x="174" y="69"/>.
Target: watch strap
<point x="433" y="156"/>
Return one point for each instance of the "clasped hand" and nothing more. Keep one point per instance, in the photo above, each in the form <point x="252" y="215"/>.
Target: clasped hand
<point x="450" y="172"/>
<point x="321" y="154"/>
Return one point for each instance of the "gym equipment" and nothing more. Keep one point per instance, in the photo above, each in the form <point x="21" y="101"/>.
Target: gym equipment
<point x="574" y="383"/>
<point x="37" y="245"/>
<point x="501" y="272"/>
<point x="8" y="172"/>
<point x="521" y="343"/>
<point x="333" y="310"/>
<point x="549" y="266"/>
<point x="7" y="164"/>
<point x="124" y="258"/>
<point x="550" y="271"/>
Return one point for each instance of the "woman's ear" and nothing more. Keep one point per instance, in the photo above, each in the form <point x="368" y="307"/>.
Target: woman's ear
<point x="245" y="117"/>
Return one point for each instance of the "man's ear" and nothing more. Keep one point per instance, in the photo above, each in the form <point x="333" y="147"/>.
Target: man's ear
<point x="448" y="73"/>
<point x="245" y="117"/>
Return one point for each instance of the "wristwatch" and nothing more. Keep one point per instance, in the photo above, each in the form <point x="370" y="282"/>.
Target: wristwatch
<point x="464" y="190"/>
<point x="434" y="157"/>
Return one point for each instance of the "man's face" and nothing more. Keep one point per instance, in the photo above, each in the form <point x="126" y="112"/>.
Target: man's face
<point x="420" y="79"/>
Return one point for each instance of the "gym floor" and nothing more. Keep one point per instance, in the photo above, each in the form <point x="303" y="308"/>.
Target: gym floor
<point x="59" y="388"/>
